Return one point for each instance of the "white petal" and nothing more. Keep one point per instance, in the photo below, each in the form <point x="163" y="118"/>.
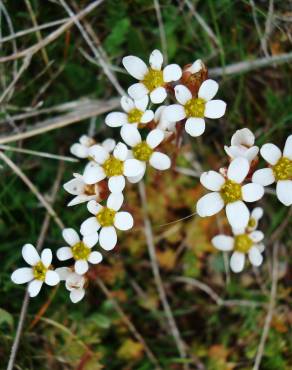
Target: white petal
<point x="223" y="242"/>
<point x="131" y="135"/>
<point x="251" y="153"/>
<point x="137" y="91"/>
<point x="123" y="221"/>
<point x="81" y="267"/>
<point x="238" y="169"/>
<point x="79" y="150"/>
<point x="256" y="236"/>
<point x="264" y="176"/>
<point x="46" y="257"/>
<point x="86" y="140"/>
<point x="116" y="119"/>
<point x="237" y="261"/>
<point x="288" y="148"/>
<point x="74" y="186"/>
<point x="160" y="161"/>
<point x="116" y="184"/>
<point x="108" y="238"/>
<point x="52" y="278"/>
<point x="63" y="272"/>
<point x="172" y="72"/>
<point x="115" y="201"/>
<point x="135" y="179"/>
<point x="252" y="192"/>
<point x="158" y="95"/>
<point x="90" y="240"/>
<point x="81" y="199"/>
<point x="89" y="226"/>
<point x="196" y="66"/>
<point x="257" y="213"/>
<point x="30" y="254"/>
<point x="34" y="287"/>
<point x="133" y="167"/>
<point x="175" y="113"/>
<point x="237" y="214"/>
<point x="215" y="109"/>
<point x="154" y="138"/>
<point x="235" y="151"/>
<point x="135" y="66"/>
<point x="121" y="151"/>
<point x="70" y="236"/>
<point x="109" y="145"/>
<point x="142" y="104"/>
<point x="209" y="204"/>
<point x="284" y="192"/>
<point x="182" y="94"/>
<point x="94" y="207"/>
<point x="243" y="137"/>
<point x="208" y="90"/>
<point x="127" y="103"/>
<point x="195" y="126"/>
<point x="261" y="247"/>
<point x="99" y="153"/>
<point x="76" y="295"/>
<point x="255" y="257"/>
<point x="156" y="60"/>
<point x="212" y="180"/>
<point x="64" y="253"/>
<point x="93" y="173"/>
<point x="95" y="257"/>
<point x="22" y="275"/>
<point x="271" y="153"/>
<point x="147" y="116"/>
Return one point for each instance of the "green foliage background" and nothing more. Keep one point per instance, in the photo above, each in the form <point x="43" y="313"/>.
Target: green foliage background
<point x="217" y="336"/>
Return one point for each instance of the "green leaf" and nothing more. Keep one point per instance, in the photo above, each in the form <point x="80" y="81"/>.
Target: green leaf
<point x="6" y="318"/>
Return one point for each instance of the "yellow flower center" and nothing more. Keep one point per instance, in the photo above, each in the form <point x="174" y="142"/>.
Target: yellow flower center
<point x="142" y="151"/>
<point x="195" y="107"/>
<point x="39" y="271"/>
<point x="106" y="217"/>
<point x="153" y="79"/>
<point x="135" y="115"/>
<point x="80" y="251"/>
<point x="113" y="167"/>
<point x="242" y="243"/>
<point x="252" y="222"/>
<point x="283" y="169"/>
<point x="230" y="191"/>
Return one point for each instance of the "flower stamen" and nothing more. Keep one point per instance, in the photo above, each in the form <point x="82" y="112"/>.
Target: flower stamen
<point x="231" y="191"/>
<point x="283" y="169"/>
<point x="106" y="217"/>
<point x="195" y="107"/>
<point x="242" y="243"/>
<point x="142" y="151"/>
<point x="113" y="167"/>
<point x="39" y="271"/>
<point x="153" y="79"/>
<point x="80" y="251"/>
<point x="135" y="115"/>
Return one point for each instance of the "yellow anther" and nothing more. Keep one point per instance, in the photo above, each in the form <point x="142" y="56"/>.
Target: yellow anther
<point x="230" y="191"/>
<point x="283" y="169"/>
<point x="39" y="271"/>
<point x="252" y="222"/>
<point x="106" y="217"/>
<point x="113" y="167"/>
<point x="80" y="251"/>
<point x="135" y="115"/>
<point x="242" y="243"/>
<point x="153" y="79"/>
<point x="195" y="107"/>
<point x="142" y="151"/>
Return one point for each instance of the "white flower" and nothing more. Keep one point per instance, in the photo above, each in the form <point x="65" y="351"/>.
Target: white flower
<point x="242" y="145"/>
<point x="144" y="151"/>
<point x="280" y="170"/>
<point x="38" y="273"/>
<point x="229" y="192"/>
<point x="73" y="282"/>
<point x="241" y="244"/>
<point x="151" y="80"/>
<point x="195" y="67"/>
<point x="106" y="219"/>
<point x="81" y="149"/>
<point x="256" y="215"/>
<point x="82" y="191"/>
<point x="195" y="109"/>
<point x="162" y="122"/>
<point x="79" y="250"/>
<point x="136" y="113"/>
<point x="112" y="166"/>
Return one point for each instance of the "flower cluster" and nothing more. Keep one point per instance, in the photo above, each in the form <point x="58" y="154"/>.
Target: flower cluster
<point x="144" y="130"/>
